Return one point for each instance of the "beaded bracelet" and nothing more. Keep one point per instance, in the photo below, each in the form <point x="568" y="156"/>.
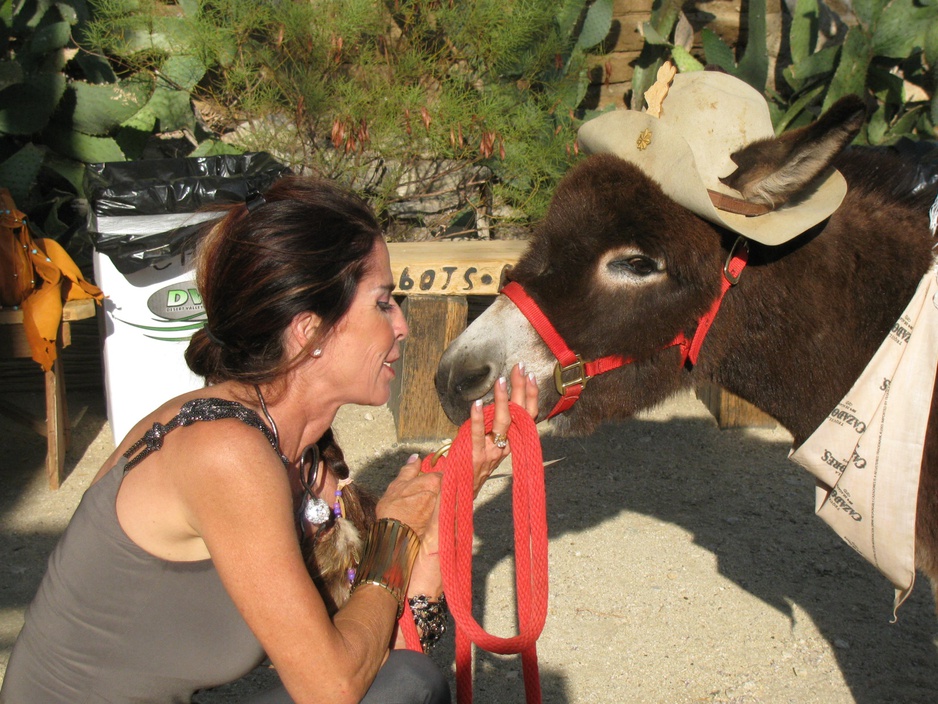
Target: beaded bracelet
<point x="387" y="559"/>
<point x="430" y="619"/>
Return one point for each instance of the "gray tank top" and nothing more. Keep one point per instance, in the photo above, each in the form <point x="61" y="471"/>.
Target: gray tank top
<point x="112" y="623"/>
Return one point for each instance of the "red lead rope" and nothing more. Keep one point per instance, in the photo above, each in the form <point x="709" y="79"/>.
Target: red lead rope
<point x="530" y="518"/>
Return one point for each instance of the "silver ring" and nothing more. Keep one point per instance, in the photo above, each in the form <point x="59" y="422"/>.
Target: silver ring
<point x="500" y="441"/>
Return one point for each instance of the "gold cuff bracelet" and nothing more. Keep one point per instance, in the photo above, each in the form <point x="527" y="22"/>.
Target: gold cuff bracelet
<point x="387" y="559"/>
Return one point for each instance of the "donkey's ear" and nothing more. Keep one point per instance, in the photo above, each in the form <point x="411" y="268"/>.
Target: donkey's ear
<point x="773" y="171"/>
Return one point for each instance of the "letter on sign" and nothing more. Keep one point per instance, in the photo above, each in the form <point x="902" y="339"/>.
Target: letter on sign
<point x="452" y="268"/>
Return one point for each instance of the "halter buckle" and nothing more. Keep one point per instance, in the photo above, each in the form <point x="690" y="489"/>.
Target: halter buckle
<point x="730" y="276"/>
<point x="581" y="376"/>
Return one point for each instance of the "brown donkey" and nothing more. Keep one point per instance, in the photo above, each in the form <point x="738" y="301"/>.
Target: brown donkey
<point x="630" y="258"/>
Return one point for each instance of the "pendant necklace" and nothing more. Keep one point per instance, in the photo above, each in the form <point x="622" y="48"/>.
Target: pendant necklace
<point x="312" y="508"/>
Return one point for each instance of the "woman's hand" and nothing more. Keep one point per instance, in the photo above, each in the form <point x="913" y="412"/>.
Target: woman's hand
<point x="489" y="449"/>
<point x="486" y="455"/>
<point x="412" y="498"/>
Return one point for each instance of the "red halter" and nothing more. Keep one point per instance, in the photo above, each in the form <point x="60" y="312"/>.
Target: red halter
<point x="571" y="373"/>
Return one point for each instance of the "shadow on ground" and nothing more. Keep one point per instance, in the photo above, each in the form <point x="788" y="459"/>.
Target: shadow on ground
<point x="733" y="492"/>
<point x="28" y="536"/>
<point x="740" y="499"/>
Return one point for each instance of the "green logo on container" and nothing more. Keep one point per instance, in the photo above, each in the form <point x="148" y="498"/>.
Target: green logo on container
<point x="177" y="311"/>
<point x="180" y="301"/>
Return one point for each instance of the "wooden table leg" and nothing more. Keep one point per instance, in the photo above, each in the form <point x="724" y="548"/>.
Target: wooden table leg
<point x="57" y="425"/>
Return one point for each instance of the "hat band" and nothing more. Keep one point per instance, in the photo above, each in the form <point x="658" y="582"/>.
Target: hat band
<point x="721" y="201"/>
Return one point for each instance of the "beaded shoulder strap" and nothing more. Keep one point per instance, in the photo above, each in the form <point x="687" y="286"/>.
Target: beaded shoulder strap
<point x="189" y="413"/>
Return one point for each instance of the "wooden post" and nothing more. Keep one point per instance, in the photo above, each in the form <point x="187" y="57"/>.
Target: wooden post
<point x="435" y="278"/>
<point x="434" y="321"/>
<point x="730" y="411"/>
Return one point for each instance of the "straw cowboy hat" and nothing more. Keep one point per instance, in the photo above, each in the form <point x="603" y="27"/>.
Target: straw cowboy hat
<point x="705" y="117"/>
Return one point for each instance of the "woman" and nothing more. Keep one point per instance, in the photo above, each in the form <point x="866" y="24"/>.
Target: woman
<point x="182" y="568"/>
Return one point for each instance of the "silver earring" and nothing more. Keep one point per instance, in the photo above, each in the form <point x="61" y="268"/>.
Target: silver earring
<point x="317" y="353"/>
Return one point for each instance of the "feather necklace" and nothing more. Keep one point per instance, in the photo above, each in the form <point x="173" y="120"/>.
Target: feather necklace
<point x="330" y="537"/>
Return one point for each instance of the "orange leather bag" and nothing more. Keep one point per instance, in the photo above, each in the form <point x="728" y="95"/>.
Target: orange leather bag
<point x="39" y="275"/>
<point x="16" y="270"/>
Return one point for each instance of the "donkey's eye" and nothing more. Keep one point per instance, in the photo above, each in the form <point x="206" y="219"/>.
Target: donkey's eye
<point x="636" y="265"/>
<point x="629" y="266"/>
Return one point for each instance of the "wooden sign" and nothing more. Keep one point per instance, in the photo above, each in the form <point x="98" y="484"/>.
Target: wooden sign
<point x="452" y="268"/>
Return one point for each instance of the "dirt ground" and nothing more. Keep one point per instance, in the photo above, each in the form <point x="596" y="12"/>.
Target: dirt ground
<point x="686" y="565"/>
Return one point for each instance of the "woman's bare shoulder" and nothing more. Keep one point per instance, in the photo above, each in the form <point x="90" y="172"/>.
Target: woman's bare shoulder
<point x="212" y="434"/>
<point x="208" y="472"/>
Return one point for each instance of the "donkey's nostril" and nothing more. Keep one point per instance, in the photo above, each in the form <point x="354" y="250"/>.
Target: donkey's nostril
<point x="474" y="383"/>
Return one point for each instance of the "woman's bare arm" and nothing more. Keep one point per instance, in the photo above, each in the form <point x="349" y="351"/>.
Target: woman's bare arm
<point x="243" y="511"/>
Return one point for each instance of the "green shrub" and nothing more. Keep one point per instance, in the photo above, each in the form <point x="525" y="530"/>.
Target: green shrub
<point x="369" y="93"/>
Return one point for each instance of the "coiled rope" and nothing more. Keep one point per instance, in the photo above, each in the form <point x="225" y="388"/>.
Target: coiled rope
<point x="529" y="508"/>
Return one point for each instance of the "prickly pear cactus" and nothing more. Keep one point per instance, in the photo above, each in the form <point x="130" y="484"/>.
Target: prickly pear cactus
<point x="62" y="107"/>
<point x="99" y="109"/>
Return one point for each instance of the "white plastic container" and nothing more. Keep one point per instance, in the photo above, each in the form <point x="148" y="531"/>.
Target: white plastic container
<point x="149" y="317"/>
<point x="147" y="215"/>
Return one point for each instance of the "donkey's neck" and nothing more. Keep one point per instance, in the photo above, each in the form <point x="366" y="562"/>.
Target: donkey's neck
<point x="799" y="329"/>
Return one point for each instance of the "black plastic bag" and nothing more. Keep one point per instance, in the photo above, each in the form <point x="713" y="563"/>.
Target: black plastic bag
<point x="144" y="212"/>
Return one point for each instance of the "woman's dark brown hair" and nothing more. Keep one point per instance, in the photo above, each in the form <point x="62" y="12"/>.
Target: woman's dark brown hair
<point x="303" y="247"/>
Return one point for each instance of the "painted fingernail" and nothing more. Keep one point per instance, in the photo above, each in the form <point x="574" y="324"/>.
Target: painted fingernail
<point x="477" y="403"/>
<point x="532" y="378"/>
<point x="412" y="458"/>
<point x="503" y="382"/>
<point x="521" y="367"/>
